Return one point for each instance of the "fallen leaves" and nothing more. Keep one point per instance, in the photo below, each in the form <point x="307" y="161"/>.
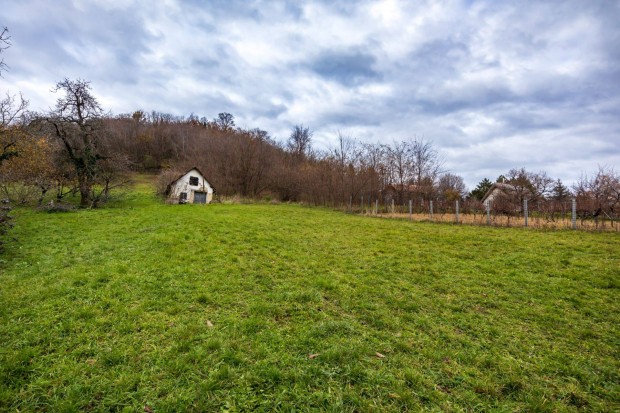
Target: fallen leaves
<point x="313" y="356"/>
<point x="209" y="324"/>
<point x="379" y="355"/>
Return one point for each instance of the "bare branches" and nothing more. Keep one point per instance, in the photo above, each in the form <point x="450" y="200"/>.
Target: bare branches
<point x="603" y="188"/>
<point x="225" y="121"/>
<point x="299" y="142"/>
<point x="78" y="105"/>
<point x="11" y="109"/>
<point x="10" y="133"/>
<point x="5" y="43"/>
<point x="77" y="123"/>
<point x="451" y="187"/>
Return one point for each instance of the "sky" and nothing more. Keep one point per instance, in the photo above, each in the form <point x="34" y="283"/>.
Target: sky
<point x="494" y="85"/>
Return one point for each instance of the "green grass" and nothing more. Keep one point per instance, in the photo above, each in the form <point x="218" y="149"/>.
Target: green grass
<point x="217" y="308"/>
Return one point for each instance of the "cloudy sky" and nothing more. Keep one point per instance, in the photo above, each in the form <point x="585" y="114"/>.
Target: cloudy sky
<point x="493" y="84"/>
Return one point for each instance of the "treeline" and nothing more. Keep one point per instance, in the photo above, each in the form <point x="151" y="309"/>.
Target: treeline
<point x="77" y="148"/>
<point x="249" y="163"/>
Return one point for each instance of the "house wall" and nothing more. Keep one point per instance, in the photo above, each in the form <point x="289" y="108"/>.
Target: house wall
<point x="182" y="185"/>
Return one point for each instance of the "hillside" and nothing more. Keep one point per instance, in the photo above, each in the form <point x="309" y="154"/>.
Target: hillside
<point x="152" y="307"/>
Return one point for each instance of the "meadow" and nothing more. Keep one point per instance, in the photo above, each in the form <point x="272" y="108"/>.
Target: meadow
<point x="143" y="306"/>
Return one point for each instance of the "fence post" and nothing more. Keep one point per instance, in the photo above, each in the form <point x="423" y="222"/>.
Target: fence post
<point x="431" y="209"/>
<point x="457" y="211"/>
<point x="362" y="204"/>
<point x="525" y="211"/>
<point x="392" y="206"/>
<point x="574" y="213"/>
<point x="488" y="204"/>
<point x="410" y="210"/>
<point x="376" y="206"/>
<point x="350" y="204"/>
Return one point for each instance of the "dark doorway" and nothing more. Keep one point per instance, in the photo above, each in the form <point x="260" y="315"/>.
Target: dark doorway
<point x="200" y="197"/>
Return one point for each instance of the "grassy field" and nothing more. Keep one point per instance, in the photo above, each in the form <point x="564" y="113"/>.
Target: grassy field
<point x="151" y="307"/>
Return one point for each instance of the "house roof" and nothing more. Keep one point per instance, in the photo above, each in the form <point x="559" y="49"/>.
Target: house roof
<point x="505" y="188"/>
<point x="185" y="173"/>
<point x="498" y="185"/>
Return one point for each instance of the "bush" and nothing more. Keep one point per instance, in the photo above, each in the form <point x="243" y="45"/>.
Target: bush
<point x="163" y="181"/>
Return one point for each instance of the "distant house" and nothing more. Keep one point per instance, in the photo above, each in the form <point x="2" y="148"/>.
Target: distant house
<point x="190" y="188"/>
<point x="501" y="191"/>
<point x="498" y="190"/>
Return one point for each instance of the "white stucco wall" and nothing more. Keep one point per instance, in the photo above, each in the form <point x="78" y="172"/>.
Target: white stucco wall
<point x="182" y="185"/>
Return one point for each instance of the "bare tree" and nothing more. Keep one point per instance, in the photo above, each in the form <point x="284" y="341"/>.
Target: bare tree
<point x="451" y="187"/>
<point x="541" y="184"/>
<point x="528" y="185"/>
<point x="77" y="122"/>
<point x="400" y="167"/>
<point x="344" y="154"/>
<point x="601" y="191"/>
<point x="11" y="110"/>
<point x="5" y="43"/>
<point x="426" y="164"/>
<point x="299" y="142"/>
<point x="225" y="120"/>
<point x="7" y="138"/>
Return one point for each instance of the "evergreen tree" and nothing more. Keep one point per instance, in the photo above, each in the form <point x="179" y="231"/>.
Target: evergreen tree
<point x="560" y="192"/>
<point x="481" y="189"/>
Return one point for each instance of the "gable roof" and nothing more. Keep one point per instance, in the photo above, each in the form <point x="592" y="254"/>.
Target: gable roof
<point x="185" y="173"/>
<point x="505" y="189"/>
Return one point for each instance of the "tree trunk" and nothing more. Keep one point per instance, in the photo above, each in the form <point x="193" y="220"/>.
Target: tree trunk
<point x="85" y="198"/>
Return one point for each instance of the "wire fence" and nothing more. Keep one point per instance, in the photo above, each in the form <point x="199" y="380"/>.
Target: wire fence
<point x="577" y="214"/>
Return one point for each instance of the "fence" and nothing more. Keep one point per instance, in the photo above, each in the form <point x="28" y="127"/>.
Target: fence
<point x="578" y="214"/>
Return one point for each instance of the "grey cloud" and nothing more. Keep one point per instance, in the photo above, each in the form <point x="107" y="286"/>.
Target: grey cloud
<point x="348" y="68"/>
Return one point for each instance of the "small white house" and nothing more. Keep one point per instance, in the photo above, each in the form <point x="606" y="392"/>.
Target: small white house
<point x="190" y="188"/>
<point x="497" y="190"/>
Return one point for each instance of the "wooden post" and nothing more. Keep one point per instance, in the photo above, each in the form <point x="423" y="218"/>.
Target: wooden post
<point x="525" y="215"/>
<point x="362" y="204"/>
<point x="350" y="204"/>
<point x="410" y="210"/>
<point x="376" y="206"/>
<point x="457" y="211"/>
<point x="392" y="206"/>
<point x="431" y="209"/>
<point x="574" y="213"/>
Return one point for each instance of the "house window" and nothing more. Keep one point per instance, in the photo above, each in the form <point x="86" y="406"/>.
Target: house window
<point x="183" y="198"/>
<point x="193" y="180"/>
